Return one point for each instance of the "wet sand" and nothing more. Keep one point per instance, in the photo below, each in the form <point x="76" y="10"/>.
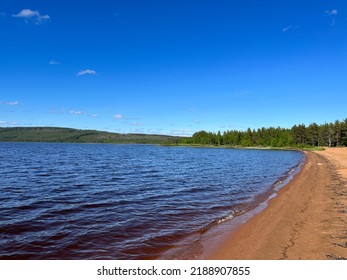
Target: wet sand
<point x="307" y="220"/>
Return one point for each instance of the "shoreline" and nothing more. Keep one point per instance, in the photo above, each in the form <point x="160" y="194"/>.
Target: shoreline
<point x="200" y="245"/>
<point x="307" y="219"/>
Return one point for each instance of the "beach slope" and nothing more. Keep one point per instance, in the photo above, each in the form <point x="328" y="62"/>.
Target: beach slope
<point x="307" y="220"/>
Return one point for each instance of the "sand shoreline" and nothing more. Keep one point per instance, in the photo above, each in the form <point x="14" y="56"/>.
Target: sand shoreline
<point x="308" y="219"/>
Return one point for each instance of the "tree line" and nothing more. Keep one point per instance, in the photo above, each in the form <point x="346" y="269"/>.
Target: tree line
<point x="70" y="135"/>
<point x="314" y="135"/>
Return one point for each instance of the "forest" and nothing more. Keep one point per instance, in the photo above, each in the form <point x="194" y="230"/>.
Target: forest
<point x="313" y="135"/>
<point x="70" y="135"/>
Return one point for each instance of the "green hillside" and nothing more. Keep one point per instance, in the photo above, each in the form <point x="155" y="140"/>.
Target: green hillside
<point x="69" y="135"/>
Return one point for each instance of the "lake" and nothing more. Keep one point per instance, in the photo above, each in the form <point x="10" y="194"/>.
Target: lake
<point x="96" y="201"/>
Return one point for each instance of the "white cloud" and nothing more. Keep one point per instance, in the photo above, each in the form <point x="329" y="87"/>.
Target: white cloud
<point x="154" y="131"/>
<point x="118" y="117"/>
<point x="181" y="132"/>
<point x="73" y="112"/>
<point x="14" y="103"/>
<point x="333" y="22"/>
<point x="86" y="72"/>
<point x="35" y="16"/>
<point x="332" y="12"/>
<point x="243" y="92"/>
<point x="136" y="130"/>
<point x="54" y="62"/>
<point x="133" y="119"/>
<point x="136" y="123"/>
<point x="7" y="123"/>
<point x="287" y="28"/>
<point x="80" y="112"/>
<point x="11" y="103"/>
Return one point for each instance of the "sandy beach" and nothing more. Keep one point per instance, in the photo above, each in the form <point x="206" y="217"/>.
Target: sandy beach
<point x="307" y="220"/>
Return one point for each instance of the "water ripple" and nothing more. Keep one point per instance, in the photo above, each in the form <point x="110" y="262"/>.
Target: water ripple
<point x="71" y="201"/>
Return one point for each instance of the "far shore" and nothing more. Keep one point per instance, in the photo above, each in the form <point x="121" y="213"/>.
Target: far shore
<point x="307" y="220"/>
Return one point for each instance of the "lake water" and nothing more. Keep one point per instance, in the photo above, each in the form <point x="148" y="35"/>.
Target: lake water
<point x="81" y="201"/>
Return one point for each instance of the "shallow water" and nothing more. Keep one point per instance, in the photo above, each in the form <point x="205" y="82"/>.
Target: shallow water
<point x="81" y="201"/>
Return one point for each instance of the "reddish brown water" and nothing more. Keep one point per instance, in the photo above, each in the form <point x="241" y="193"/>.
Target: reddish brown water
<point x="72" y="201"/>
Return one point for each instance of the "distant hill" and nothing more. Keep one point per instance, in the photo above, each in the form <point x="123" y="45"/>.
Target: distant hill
<point x="69" y="135"/>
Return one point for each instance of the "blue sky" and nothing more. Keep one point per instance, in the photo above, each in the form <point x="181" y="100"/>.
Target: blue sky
<point x="174" y="66"/>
